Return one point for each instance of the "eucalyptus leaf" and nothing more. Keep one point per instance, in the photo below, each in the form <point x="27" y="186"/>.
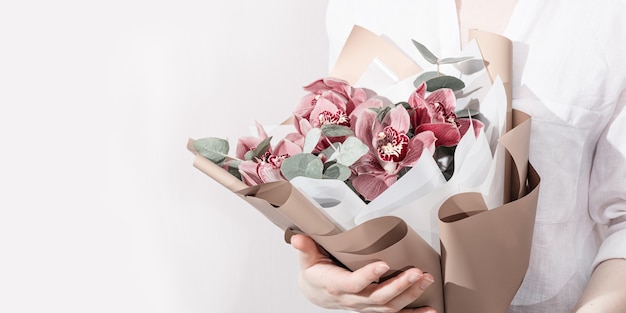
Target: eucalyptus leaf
<point x="405" y="104"/>
<point x="338" y="171"/>
<point x="454" y="60"/>
<point x="328" y="152"/>
<point x="425" y="77"/>
<point x="233" y="168"/>
<point x="249" y="155"/>
<point x="303" y="164"/>
<point x="351" y="151"/>
<point x="330" y="130"/>
<point x="429" y="56"/>
<point x="444" y="82"/>
<point x="381" y="114"/>
<point x="257" y="152"/>
<point x="311" y="140"/>
<point x="262" y="147"/>
<point x="377" y="110"/>
<point x="212" y="148"/>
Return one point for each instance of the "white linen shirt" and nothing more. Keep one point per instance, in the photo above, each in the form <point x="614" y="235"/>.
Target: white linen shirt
<point x="570" y="75"/>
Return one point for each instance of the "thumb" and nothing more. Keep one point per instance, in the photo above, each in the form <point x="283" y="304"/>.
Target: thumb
<point x="309" y="252"/>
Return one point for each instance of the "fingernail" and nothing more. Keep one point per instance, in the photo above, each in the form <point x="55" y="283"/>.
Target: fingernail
<point x="427" y="281"/>
<point x="381" y="269"/>
<point x="414" y="277"/>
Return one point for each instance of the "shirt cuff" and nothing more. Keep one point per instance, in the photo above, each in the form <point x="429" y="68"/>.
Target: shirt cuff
<point x="613" y="247"/>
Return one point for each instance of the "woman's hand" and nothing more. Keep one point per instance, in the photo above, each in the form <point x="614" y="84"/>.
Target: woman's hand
<point x="334" y="287"/>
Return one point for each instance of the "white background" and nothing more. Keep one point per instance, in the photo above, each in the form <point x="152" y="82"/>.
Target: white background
<point x="100" y="207"/>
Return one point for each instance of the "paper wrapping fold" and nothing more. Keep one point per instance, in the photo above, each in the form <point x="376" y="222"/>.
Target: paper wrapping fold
<point x="497" y="52"/>
<point x="361" y="48"/>
<point x="485" y="253"/>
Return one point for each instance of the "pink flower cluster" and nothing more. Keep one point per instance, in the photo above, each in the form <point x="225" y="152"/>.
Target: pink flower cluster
<point x="397" y="135"/>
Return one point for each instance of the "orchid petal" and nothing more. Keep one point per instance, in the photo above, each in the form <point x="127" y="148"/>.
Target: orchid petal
<point x="248" y="171"/>
<point x="338" y="100"/>
<point x="464" y="124"/>
<point x="304" y="107"/>
<point x="315" y="86"/>
<point x="421" y="89"/>
<point x="444" y="96"/>
<point x="419" y="116"/>
<point x="260" y="130"/>
<point x="322" y="105"/>
<point x="245" y="144"/>
<point x="447" y="134"/>
<point x="305" y="126"/>
<point x="371" y="186"/>
<point x="269" y="173"/>
<point x="287" y="147"/>
<point x="365" y="106"/>
<point x="367" y="164"/>
<point x="417" y="144"/>
<point x="296" y="138"/>
<point x="363" y="128"/>
<point x="329" y="83"/>
<point x="358" y="96"/>
<point x="338" y="85"/>
<point x="398" y="119"/>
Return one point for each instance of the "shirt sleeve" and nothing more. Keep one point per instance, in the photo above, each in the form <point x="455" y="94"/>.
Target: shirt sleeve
<point x="607" y="190"/>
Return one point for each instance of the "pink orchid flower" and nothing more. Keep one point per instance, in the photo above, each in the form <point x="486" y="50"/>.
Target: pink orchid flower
<point x="435" y="113"/>
<point x="248" y="143"/>
<point x="391" y="150"/>
<point x="265" y="168"/>
<point x="329" y="101"/>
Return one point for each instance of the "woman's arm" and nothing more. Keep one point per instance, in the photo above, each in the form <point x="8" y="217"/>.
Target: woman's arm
<point x="334" y="287"/>
<point x="606" y="291"/>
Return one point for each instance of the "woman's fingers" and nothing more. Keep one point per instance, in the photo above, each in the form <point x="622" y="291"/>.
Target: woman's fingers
<point x="419" y="310"/>
<point x="401" y="292"/>
<point x="334" y="287"/>
<point x="357" y="281"/>
<point x="391" y="295"/>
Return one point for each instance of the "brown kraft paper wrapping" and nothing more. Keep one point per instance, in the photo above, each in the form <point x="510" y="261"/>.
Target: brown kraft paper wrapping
<point x="485" y="253"/>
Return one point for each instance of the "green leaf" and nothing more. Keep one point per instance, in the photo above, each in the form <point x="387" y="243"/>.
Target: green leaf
<point x="303" y="164"/>
<point x="381" y="114"/>
<point x="263" y="147"/>
<point x="249" y="155"/>
<point x="377" y="110"/>
<point x="445" y="82"/>
<point x="425" y="77"/>
<point x="328" y="152"/>
<point x="233" y="168"/>
<point x="454" y="60"/>
<point x="429" y="56"/>
<point x="214" y="149"/>
<point x="350" y="151"/>
<point x="405" y="104"/>
<point x="337" y="171"/>
<point x="330" y="130"/>
<point x="311" y="140"/>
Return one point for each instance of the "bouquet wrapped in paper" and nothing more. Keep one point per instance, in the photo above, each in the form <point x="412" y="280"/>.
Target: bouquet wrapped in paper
<point x="416" y="168"/>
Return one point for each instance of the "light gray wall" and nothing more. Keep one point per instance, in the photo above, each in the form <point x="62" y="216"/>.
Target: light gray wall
<point x="101" y="209"/>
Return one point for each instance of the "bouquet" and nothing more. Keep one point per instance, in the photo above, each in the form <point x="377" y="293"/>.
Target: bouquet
<point x="430" y="170"/>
